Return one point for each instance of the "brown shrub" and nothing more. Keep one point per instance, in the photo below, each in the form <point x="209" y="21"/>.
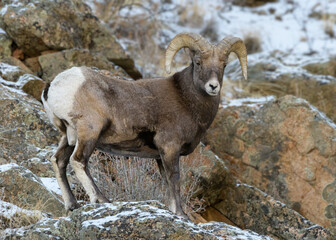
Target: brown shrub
<point x="138" y="179"/>
<point x="252" y="42"/>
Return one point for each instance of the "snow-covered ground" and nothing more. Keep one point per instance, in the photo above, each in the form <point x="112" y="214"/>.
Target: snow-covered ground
<point x="285" y="25"/>
<point x="291" y="33"/>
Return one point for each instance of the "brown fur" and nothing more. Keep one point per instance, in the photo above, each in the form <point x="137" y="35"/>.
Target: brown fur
<point x="135" y="112"/>
<point x="161" y="118"/>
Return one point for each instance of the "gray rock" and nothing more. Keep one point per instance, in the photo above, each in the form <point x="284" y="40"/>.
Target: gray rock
<point x="57" y="25"/>
<point x="60" y="25"/>
<point x="19" y="77"/>
<point x="24" y="128"/>
<point x="232" y="233"/>
<point x="11" y="73"/>
<point x="21" y="187"/>
<point x="5" y="44"/>
<point x="130" y="220"/>
<point x="54" y="63"/>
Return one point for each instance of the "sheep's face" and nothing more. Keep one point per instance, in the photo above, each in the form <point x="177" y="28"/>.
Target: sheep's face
<point x="208" y="69"/>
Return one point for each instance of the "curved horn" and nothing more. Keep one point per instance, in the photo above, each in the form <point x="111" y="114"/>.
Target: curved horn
<point x="233" y="44"/>
<point x="190" y="40"/>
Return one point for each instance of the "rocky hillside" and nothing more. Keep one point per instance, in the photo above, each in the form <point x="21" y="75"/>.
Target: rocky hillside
<point x="266" y="169"/>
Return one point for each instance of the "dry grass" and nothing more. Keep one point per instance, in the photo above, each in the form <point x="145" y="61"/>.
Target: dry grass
<point x="17" y="218"/>
<point x="189" y="190"/>
<point x="192" y="15"/>
<point x="127" y="179"/>
<point x="138" y="179"/>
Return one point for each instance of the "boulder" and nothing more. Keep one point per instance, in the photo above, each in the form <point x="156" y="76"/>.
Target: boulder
<point x="60" y="25"/>
<point x="286" y="148"/>
<point x="54" y="63"/>
<point x="134" y="220"/>
<point x="229" y="200"/>
<point x="34" y="86"/>
<point x="25" y="130"/>
<point x="57" y="25"/>
<point x="19" y="76"/>
<point x="22" y="188"/>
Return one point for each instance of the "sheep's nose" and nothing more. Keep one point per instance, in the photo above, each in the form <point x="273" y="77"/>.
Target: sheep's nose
<point x="213" y="86"/>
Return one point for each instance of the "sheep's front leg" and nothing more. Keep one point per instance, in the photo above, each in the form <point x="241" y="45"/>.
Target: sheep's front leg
<point x="79" y="161"/>
<point x="60" y="161"/>
<point x="170" y="155"/>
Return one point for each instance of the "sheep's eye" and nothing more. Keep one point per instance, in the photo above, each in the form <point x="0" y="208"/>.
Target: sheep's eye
<point x="198" y="62"/>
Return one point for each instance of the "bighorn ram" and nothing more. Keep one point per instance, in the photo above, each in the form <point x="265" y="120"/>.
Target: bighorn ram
<point x="161" y="118"/>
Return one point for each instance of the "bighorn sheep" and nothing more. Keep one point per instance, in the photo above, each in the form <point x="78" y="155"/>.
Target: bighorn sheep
<point x="161" y="118"/>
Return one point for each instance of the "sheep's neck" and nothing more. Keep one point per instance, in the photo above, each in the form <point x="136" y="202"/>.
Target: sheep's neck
<point x="202" y="106"/>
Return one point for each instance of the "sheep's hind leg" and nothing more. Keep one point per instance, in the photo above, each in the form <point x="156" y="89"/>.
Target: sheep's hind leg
<point x="60" y="161"/>
<point x="162" y="170"/>
<point x="79" y="161"/>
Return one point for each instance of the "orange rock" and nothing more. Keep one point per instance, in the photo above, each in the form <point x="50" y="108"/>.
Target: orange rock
<point x="17" y="53"/>
<point x="286" y="148"/>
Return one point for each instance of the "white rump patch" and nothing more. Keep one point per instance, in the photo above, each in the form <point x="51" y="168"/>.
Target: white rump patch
<point x="62" y="92"/>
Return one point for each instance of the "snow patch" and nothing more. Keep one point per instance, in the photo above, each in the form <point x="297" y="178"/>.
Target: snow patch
<point x="322" y="116"/>
<point x="96" y="211"/>
<point x="2" y="31"/>
<point x="17" y="231"/>
<point x="102" y="221"/>
<point x="250" y="102"/>
<point x="236" y="233"/>
<point x="7" y="68"/>
<point x="6" y="167"/>
<point x="51" y="184"/>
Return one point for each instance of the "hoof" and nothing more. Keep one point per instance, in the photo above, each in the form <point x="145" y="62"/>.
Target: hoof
<point x="100" y="199"/>
<point x="71" y="207"/>
<point x="182" y="214"/>
<point x="103" y="200"/>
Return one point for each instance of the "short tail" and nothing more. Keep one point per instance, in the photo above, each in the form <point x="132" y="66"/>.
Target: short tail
<point x="45" y="92"/>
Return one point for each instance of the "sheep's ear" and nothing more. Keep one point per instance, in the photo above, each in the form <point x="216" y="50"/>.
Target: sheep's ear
<point x="190" y="52"/>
